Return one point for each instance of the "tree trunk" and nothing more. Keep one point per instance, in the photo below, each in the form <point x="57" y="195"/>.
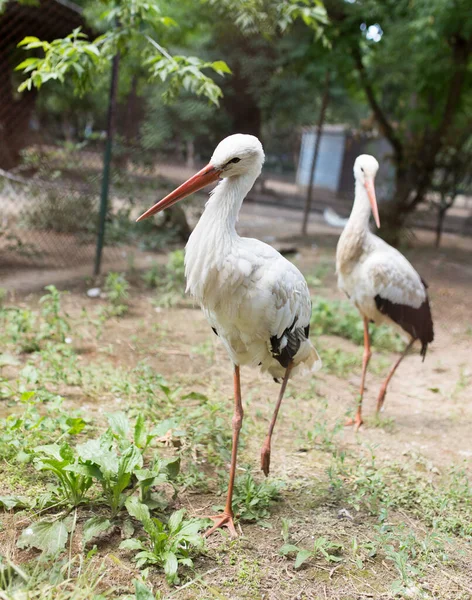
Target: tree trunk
<point x="190" y="153"/>
<point x="319" y="133"/>
<point x="440" y="225"/>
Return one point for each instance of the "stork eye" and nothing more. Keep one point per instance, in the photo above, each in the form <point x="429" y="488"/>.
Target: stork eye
<point x="362" y="169"/>
<point x="234" y="160"/>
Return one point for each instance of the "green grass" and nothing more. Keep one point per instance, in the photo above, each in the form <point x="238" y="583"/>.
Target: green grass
<point x="80" y="477"/>
<point x="335" y="317"/>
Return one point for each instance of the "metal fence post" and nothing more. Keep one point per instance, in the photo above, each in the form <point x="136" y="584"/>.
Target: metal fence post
<point x="107" y="163"/>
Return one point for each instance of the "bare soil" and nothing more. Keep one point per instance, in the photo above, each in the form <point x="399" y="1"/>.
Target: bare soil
<point x="428" y="413"/>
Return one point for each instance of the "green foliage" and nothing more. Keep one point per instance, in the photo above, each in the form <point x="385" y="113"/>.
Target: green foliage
<point x="172" y="285"/>
<point x="26" y="330"/>
<point x="74" y="480"/>
<point x="168" y="544"/>
<point x="48" y="536"/>
<point x="73" y="56"/>
<point x="322" y="548"/>
<point x="62" y="212"/>
<point x="55" y="326"/>
<point x="334" y="317"/>
<point x="117" y="291"/>
<point x="252" y="500"/>
<point x="131" y="33"/>
<point x="38" y="423"/>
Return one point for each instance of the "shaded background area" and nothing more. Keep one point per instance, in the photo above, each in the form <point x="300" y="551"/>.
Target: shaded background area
<point x="51" y="155"/>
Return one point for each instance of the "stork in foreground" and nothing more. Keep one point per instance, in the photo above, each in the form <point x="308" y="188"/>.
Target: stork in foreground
<point x="379" y="280"/>
<point x="255" y="300"/>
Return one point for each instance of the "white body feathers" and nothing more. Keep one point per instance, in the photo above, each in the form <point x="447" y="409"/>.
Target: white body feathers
<point x="247" y="290"/>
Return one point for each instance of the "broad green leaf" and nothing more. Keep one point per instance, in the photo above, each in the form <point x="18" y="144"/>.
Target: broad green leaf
<point x="10" y="502"/>
<point x="302" y="556"/>
<point x="170" y="564"/>
<point x="53" y="450"/>
<point x="142" y="592"/>
<point x="131" y="544"/>
<point x="76" y="425"/>
<point x="172" y="467"/>
<point x="44" y="535"/>
<point x="119" y="424"/>
<point x="93" y="451"/>
<point x="220" y="66"/>
<point x="140" y="436"/>
<point x="288" y="548"/>
<point x="140" y="512"/>
<point x="93" y="527"/>
<point x="175" y="519"/>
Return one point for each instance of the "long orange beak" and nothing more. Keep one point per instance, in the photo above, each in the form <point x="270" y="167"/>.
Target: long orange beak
<point x="207" y="175"/>
<point x="369" y="186"/>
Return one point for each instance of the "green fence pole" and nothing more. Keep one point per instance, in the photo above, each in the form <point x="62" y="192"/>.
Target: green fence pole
<point x="106" y="163"/>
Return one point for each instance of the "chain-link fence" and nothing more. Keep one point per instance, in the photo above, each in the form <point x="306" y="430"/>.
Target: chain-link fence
<point x="51" y="160"/>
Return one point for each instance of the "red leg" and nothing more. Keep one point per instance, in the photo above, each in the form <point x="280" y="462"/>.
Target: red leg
<point x="383" y="388"/>
<point x="226" y="518"/>
<point x="357" y="421"/>
<point x="265" y="452"/>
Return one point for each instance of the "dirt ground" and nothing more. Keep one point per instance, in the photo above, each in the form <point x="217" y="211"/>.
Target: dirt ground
<point x="428" y="414"/>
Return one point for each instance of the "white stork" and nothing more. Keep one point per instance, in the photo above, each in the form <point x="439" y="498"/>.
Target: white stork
<point x="255" y="300"/>
<point x="378" y="279"/>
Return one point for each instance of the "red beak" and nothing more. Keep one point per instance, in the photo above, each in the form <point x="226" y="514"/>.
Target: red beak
<point x="207" y="175"/>
<point x="369" y="186"/>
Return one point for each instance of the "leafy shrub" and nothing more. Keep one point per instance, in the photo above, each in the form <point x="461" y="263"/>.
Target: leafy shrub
<point x="62" y="212"/>
<point x="169" y="544"/>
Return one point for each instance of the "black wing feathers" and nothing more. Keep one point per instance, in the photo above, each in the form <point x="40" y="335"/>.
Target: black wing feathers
<point x="418" y="322"/>
<point x="294" y="336"/>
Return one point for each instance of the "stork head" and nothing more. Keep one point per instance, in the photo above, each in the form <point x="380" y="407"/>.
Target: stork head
<point x="365" y="170"/>
<point x="234" y="156"/>
<point x="237" y="154"/>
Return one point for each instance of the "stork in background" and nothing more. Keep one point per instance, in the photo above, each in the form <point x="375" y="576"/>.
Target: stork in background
<point x="379" y="280"/>
<point x="255" y="300"/>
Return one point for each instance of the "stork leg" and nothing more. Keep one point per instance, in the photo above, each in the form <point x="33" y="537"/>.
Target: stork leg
<point x="383" y="388"/>
<point x="357" y="421"/>
<point x="225" y="519"/>
<point x="265" y="452"/>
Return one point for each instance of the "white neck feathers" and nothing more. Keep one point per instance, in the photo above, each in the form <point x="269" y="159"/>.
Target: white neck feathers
<point x="215" y="234"/>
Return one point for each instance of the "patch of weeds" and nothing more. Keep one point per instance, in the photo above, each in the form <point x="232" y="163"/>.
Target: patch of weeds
<point x="200" y="428"/>
<point x="410" y="554"/>
<point x="152" y="277"/>
<point x="77" y="578"/>
<point x="322" y="548"/>
<point x="316" y="276"/>
<point x="172" y="286"/>
<point x="340" y="318"/>
<point x="55" y="325"/>
<point x="462" y="383"/>
<point x="339" y="362"/>
<point x="253" y="500"/>
<point x="111" y="462"/>
<point x="168" y="544"/>
<point x="25" y="330"/>
<point x="205" y="349"/>
<point x="443" y="503"/>
<point x="380" y="421"/>
<point x="324" y="436"/>
<point x="21" y="432"/>
<point x="117" y="292"/>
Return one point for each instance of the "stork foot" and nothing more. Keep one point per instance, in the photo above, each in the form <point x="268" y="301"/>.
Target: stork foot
<point x="357" y="422"/>
<point x="265" y="459"/>
<point x="222" y="520"/>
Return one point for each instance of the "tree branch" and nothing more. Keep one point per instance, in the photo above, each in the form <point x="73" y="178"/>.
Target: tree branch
<point x="384" y="124"/>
